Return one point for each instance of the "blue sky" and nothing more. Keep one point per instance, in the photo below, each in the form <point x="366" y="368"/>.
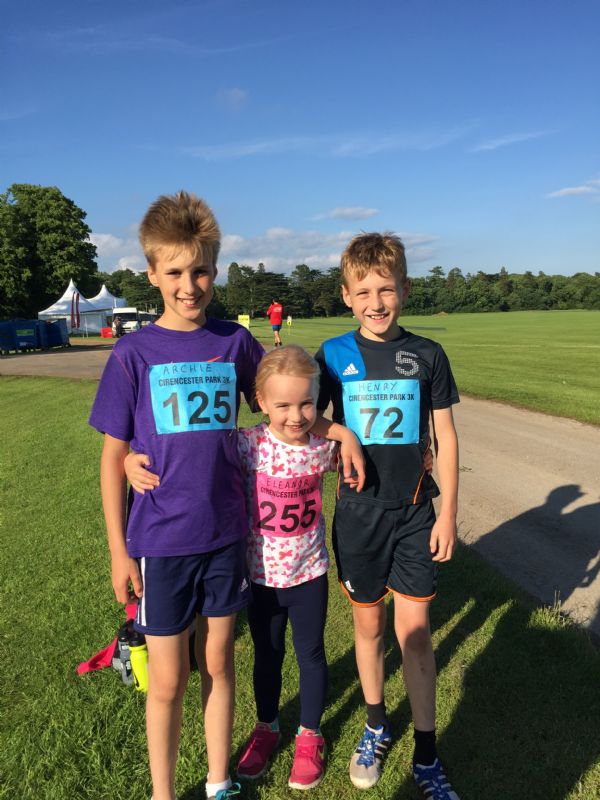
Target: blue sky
<point x="472" y="129"/>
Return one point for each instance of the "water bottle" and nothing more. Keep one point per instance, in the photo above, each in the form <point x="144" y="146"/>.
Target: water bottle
<point x="122" y="655"/>
<point x="138" y="651"/>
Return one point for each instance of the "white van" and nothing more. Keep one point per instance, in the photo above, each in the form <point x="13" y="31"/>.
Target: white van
<point x="130" y="319"/>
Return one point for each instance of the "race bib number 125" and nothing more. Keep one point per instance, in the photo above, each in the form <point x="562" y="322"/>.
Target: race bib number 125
<point x="193" y="396"/>
<point x="383" y="412"/>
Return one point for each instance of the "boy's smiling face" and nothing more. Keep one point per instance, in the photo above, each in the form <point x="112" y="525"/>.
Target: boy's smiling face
<point x="186" y="285"/>
<point x="376" y="301"/>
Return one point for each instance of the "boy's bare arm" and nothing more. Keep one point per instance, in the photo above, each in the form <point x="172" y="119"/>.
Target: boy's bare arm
<point x="443" y="533"/>
<point x="113" y="486"/>
<point x="351" y="453"/>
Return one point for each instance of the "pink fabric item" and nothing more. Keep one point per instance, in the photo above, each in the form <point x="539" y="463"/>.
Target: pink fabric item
<point x="99" y="661"/>
<point x="104" y="657"/>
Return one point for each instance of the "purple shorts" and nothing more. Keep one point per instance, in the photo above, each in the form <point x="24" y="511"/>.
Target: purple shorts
<point x="176" y="588"/>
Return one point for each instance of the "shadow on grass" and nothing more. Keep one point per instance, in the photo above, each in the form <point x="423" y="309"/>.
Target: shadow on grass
<point x="527" y="721"/>
<point x="557" y="551"/>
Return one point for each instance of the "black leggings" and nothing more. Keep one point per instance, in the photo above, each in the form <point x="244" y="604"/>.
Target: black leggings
<point x="306" y="607"/>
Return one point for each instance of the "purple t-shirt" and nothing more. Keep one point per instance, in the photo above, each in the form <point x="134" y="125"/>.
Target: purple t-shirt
<point x="175" y="395"/>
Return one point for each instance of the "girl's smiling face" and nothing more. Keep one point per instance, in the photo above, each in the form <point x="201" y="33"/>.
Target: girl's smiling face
<point x="290" y="402"/>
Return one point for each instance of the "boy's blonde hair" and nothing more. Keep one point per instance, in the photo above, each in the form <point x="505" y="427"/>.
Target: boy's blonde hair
<point x="179" y="222"/>
<point x="288" y="360"/>
<point x="374" y="252"/>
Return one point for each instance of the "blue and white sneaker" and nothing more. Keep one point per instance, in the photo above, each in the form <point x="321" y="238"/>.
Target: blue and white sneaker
<point x="225" y="794"/>
<point x="367" y="760"/>
<point x="433" y="781"/>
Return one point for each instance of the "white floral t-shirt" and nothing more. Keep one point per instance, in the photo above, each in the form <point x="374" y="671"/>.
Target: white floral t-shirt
<point x="286" y="543"/>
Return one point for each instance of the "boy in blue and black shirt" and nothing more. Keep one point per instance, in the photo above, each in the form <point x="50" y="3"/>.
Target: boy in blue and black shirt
<point x="385" y="384"/>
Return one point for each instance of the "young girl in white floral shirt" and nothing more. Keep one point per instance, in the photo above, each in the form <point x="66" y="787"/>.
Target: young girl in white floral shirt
<point x="284" y="463"/>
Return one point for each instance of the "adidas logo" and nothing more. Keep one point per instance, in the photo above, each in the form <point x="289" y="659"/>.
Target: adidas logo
<point x="350" y="370"/>
<point x="244" y="585"/>
<point x="348" y="586"/>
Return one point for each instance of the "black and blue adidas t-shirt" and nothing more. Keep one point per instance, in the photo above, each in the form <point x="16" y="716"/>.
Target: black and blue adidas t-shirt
<point x="385" y="392"/>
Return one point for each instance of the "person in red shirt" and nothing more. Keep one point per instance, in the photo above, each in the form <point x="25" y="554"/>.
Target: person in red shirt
<point x="275" y="315"/>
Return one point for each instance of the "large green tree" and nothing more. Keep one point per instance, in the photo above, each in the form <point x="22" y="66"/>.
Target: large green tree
<point x="15" y="272"/>
<point x="306" y="289"/>
<point x="236" y="295"/>
<point x="44" y="242"/>
<point x="140" y="293"/>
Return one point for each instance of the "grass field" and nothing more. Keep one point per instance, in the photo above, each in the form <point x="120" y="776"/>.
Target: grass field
<point x="518" y="686"/>
<point x="543" y="360"/>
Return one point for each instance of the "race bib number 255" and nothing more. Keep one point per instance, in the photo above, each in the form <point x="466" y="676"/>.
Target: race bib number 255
<point x="193" y="396"/>
<point x="383" y="412"/>
<point x="286" y="506"/>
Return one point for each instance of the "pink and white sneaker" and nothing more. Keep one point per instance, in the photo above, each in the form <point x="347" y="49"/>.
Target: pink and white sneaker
<point x="309" y="760"/>
<point x="261" y="744"/>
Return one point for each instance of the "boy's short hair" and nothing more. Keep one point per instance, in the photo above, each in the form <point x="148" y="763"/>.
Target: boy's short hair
<point x="379" y="252"/>
<point x="289" y="360"/>
<point x="178" y="222"/>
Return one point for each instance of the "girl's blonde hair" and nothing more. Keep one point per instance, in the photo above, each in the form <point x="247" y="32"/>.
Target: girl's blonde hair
<point x="289" y="360"/>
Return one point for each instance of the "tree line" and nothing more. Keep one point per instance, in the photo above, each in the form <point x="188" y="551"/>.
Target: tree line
<point x="310" y="292"/>
<point x="44" y="242"/>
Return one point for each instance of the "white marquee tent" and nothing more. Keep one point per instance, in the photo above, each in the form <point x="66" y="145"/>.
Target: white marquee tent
<point x="80" y="314"/>
<point x="105" y="301"/>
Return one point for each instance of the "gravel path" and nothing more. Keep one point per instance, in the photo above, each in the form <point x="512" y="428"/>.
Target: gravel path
<point x="530" y="488"/>
<point x="530" y="502"/>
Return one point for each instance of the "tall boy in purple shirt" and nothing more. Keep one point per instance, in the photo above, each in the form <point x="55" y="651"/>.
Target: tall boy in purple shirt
<point x="172" y="391"/>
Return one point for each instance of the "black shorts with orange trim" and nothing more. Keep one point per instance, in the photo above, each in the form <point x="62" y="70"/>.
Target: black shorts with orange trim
<point x="378" y="550"/>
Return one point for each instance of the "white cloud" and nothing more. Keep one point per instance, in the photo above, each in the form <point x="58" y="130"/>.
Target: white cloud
<point x="573" y="191"/>
<point x="505" y="141"/>
<point x="135" y="263"/>
<point x="115" y="252"/>
<point x="231" y="242"/>
<point x="361" y="145"/>
<point x="233" y="99"/>
<point x="591" y="186"/>
<point x="420" y="254"/>
<point x="274" y="234"/>
<point x="349" y="212"/>
<point x="282" y="249"/>
<point x="106" y="243"/>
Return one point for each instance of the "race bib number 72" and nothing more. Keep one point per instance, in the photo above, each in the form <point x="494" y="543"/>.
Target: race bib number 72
<point x="193" y="396"/>
<point x="383" y="412"/>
